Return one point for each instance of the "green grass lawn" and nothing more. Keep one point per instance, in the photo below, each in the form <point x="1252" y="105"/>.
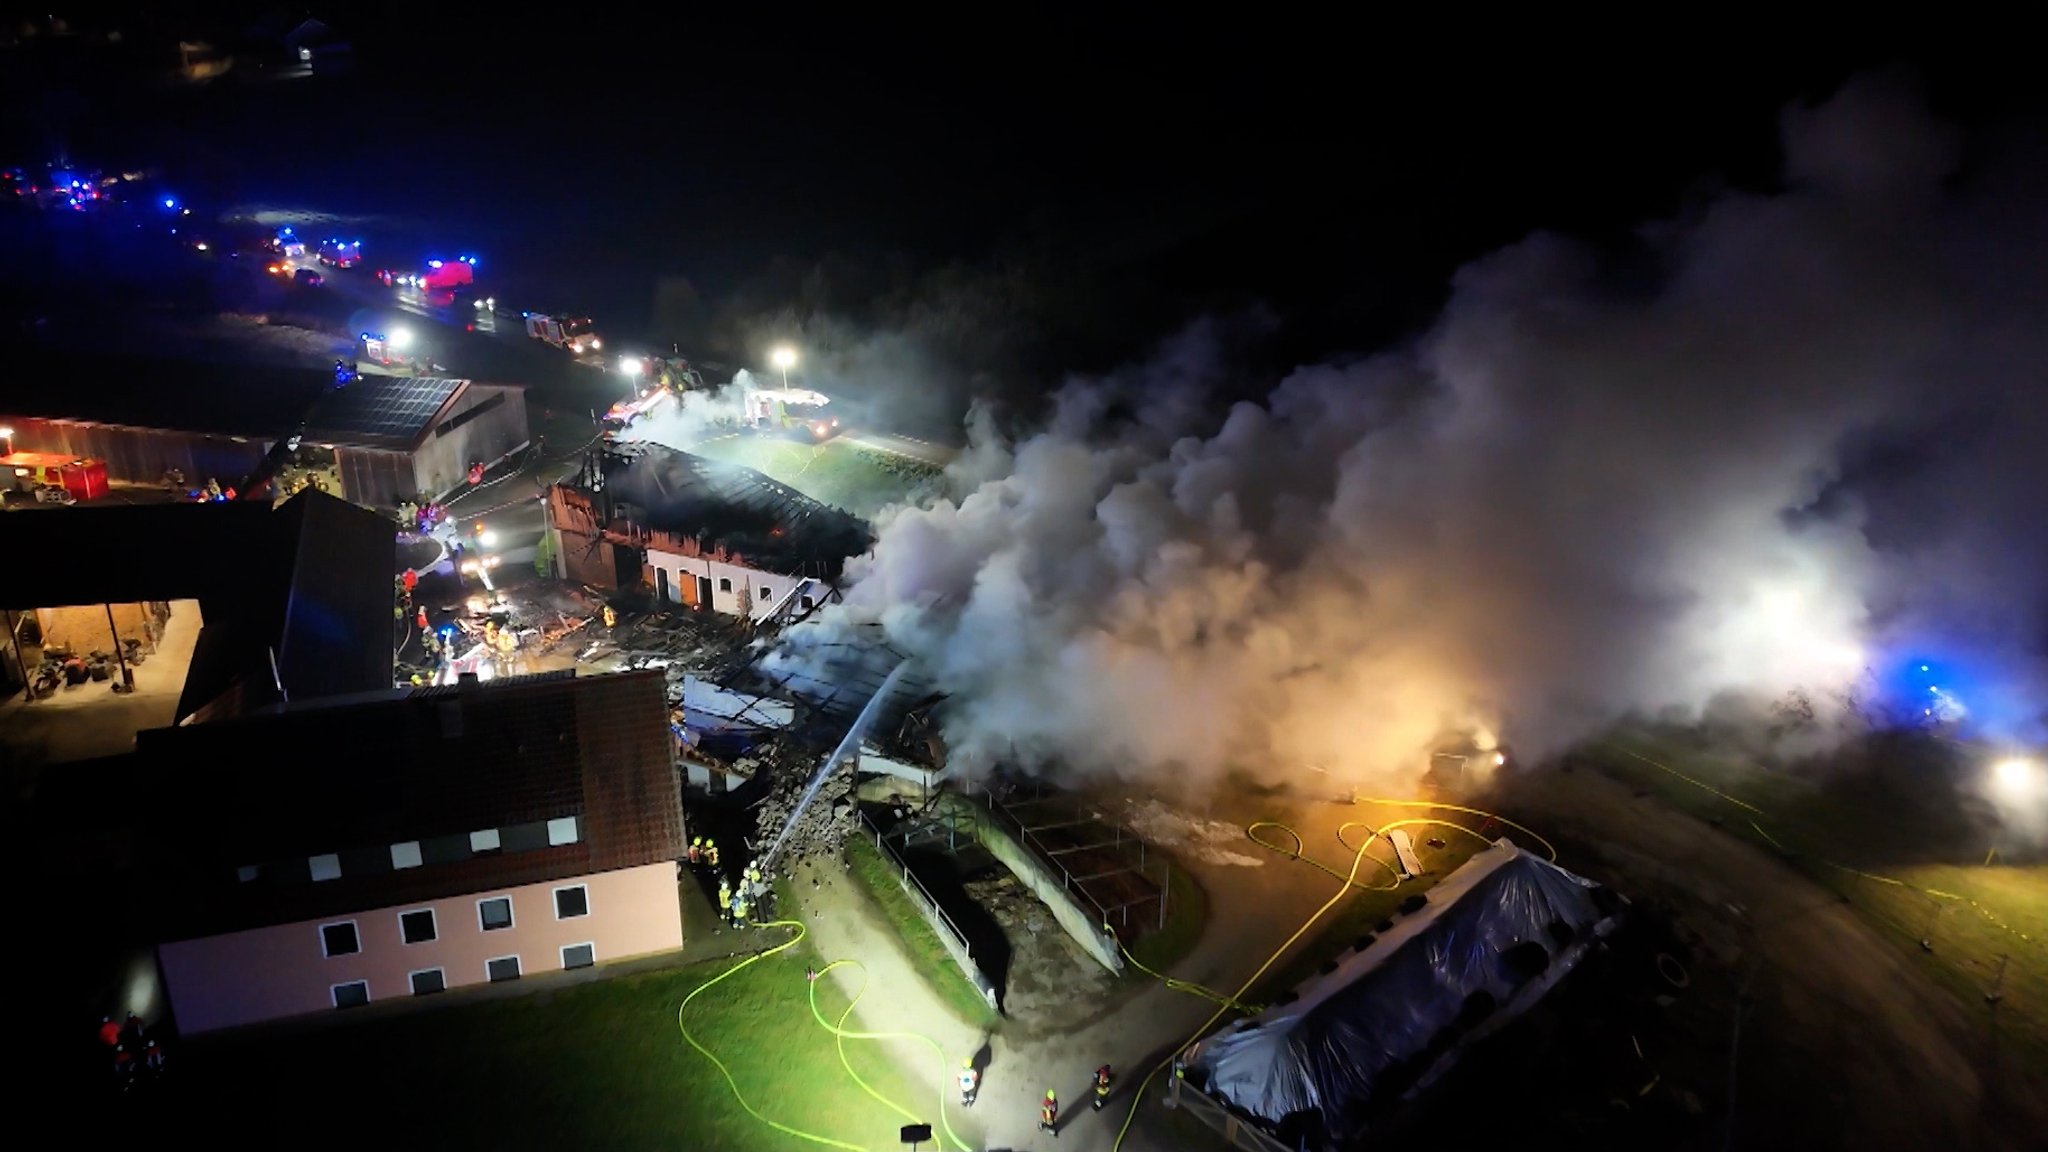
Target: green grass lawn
<point x="877" y="876"/>
<point x="1875" y="838"/>
<point x="840" y="473"/>
<point x="590" y="1065"/>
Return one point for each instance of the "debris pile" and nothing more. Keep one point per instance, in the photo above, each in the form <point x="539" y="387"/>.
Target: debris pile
<point x="822" y="828"/>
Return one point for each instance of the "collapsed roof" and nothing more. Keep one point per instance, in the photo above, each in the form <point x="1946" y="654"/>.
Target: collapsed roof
<point x="1495" y="935"/>
<point x="770" y="525"/>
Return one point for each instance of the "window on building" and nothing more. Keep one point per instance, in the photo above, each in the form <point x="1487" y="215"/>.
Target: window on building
<point x="353" y="994"/>
<point x="494" y="913"/>
<point x="764" y="592"/>
<point x="572" y="902"/>
<point x="248" y="873"/>
<point x="562" y="830"/>
<point x="502" y="969"/>
<point x="340" y="939"/>
<point x="406" y="855"/>
<point x="579" y="955"/>
<point x="485" y="841"/>
<point x="725" y="583"/>
<point x="417" y="927"/>
<point x="327" y="867"/>
<point x="806" y="603"/>
<point x="428" y="982"/>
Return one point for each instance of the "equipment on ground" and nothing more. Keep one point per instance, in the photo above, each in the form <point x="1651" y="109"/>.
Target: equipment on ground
<point x="576" y="333"/>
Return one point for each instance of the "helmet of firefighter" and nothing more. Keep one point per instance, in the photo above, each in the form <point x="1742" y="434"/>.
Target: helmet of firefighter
<point x="697" y="841"/>
<point x="967" y="1063"/>
<point x="1051" y="1095"/>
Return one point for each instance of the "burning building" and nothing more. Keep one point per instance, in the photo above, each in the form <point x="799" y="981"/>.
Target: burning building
<point x="700" y="533"/>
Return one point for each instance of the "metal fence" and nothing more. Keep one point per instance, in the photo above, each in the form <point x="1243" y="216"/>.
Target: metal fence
<point x="1016" y="815"/>
<point x="949" y="934"/>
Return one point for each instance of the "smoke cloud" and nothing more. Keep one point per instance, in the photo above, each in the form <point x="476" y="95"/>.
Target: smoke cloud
<point x="1776" y="445"/>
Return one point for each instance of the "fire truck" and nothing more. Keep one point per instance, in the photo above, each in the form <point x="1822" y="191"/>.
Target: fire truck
<point x="789" y="411"/>
<point x="670" y="376"/>
<point x="572" y="332"/>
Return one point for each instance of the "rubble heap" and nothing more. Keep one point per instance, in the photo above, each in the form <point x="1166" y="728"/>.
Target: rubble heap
<point x="823" y="827"/>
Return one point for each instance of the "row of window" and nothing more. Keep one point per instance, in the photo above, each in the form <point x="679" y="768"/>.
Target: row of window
<point x="766" y="593"/>
<point x="414" y="853"/>
<point x="419" y="926"/>
<point x="428" y="981"/>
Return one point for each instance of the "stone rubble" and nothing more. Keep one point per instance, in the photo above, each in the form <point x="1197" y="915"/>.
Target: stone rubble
<point x="822" y="829"/>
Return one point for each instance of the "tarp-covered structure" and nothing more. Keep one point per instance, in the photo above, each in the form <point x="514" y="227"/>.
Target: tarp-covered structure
<point x="1493" y="937"/>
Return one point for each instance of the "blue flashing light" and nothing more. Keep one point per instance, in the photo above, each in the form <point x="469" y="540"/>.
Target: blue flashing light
<point x="433" y="263"/>
<point x="285" y="232"/>
<point x="170" y="203"/>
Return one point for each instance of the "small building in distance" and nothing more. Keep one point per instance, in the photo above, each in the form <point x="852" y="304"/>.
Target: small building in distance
<point x="360" y="849"/>
<point x="701" y="534"/>
<point x="386" y="438"/>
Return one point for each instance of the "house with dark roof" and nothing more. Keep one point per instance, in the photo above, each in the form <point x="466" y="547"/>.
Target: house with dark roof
<point x="391" y="438"/>
<point x="702" y="533"/>
<point x="329" y="854"/>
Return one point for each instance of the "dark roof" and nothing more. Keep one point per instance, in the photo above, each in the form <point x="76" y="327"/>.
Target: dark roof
<point x="381" y="411"/>
<point x="771" y="524"/>
<point x="257" y="401"/>
<point x="252" y="400"/>
<point x="308" y="582"/>
<point x="353" y="777"/>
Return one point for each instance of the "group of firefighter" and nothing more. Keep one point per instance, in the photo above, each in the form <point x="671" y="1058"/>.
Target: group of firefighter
<point x="1048" y="1108"/>
<point x="736" y="903"/>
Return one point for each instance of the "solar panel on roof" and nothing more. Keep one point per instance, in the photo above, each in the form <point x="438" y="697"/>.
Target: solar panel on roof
<point x="381" y="410"/>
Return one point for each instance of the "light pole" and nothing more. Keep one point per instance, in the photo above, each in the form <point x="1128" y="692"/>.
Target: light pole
<point x="784" y="358"/>
<point x="631" y="367"/>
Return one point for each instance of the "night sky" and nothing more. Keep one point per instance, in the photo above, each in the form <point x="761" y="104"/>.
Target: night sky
<point x="1134" y="169"/>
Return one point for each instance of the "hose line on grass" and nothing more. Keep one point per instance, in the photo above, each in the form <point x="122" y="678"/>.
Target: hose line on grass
<point x="1349" y="881"/>
<point x="841" y="1035"/>
<point x="1188" y="986"/>
<point x="720" y="1064"/>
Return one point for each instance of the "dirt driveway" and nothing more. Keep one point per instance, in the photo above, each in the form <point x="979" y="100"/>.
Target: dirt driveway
<point x="1846" y="1037"/>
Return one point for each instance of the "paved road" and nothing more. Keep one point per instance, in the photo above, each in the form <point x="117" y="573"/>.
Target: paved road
<point x="926" y="451"/>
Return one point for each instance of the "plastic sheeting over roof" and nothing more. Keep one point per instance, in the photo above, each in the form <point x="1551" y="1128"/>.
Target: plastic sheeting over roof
<point x="1329" y="1051"/>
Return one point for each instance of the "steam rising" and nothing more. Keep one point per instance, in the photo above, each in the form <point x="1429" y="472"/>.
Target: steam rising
<point x="1780" y="442"/>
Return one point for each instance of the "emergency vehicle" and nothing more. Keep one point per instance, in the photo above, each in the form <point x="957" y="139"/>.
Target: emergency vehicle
<point x="341" y="253"/>
<point x="575" y="333"/>
<point x="793" y="411"/>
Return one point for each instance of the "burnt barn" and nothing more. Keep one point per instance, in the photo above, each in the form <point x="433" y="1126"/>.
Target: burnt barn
<point x="384" y="439"/>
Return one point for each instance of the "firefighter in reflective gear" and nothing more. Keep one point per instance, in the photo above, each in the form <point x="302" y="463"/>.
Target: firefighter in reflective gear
<point x="1049" y="1113"/>
<point x="755" y="885"/>
<point x="970" y="1080"/>
<point x="711" y="854"/>
<point x="1102" y="1081"/>
<point x="696" y="851"/>
<point x="611" y="618"/>
<point x="724" y="902"/>
<point x="739" y="909"/>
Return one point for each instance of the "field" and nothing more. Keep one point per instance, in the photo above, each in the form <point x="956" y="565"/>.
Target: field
<point x="590" y="1065"/>
<point x="877" y="876"/>
<point x="843" y="474"/>
<point x="1894" y="840"/>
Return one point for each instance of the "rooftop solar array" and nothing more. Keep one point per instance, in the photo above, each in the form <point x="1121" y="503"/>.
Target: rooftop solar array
<point x="380" y="411"/>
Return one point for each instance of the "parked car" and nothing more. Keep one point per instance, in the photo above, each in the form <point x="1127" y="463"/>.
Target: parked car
<point x="309" y="278"/>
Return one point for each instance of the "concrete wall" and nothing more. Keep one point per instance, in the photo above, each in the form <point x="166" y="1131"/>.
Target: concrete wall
<point x="953" y="942"/>
<point x="441" y="464"/>
<point x="736" y="590"/>
<point x="269" y="973"/>
<point x="1081" y="921"/>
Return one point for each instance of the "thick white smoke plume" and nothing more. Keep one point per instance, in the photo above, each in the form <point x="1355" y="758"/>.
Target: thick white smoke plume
<point x="1783" y="440"/>
<point x="698" y="415"/>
